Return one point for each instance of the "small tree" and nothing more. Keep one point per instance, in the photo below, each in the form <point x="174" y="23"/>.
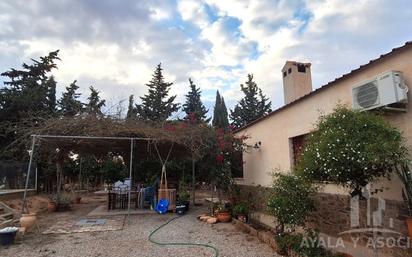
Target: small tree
<point x="290" y="201"/>
<point x="95" y="104"/>
<point x="352" y="149"/>
<point x="220" y="118"/>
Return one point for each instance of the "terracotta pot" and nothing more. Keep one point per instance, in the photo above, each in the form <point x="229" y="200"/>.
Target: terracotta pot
<point x="28" y="220"/>
<point x="51" y="206"/>
<point x="409" y="224"/>
<point x="77" y="199"/>
<point x="224" y="217"/>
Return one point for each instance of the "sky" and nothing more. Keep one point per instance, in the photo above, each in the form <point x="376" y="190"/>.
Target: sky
<point x="115" y="45"/>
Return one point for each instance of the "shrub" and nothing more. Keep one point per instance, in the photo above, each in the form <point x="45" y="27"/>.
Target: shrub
<point x="352" y="148"/>
<point x="240" y="208"/>
<point x="290" y="201"/>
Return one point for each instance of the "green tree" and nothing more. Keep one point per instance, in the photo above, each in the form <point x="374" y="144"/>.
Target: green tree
<point x="252" y="106"/>
<point x="156" y="105"/>
<point x="193" y="105"/>
<point x="28" y="95"/>
<point x="131" y="110"/>
<point x="95" y="104"/>
<point x="220" y="117"/>
<point x="69" y="105"/>
<point x="352" y="149"/>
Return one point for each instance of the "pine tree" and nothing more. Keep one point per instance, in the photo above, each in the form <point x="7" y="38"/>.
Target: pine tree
<point x="51" y="94"/>
<point x="69" y="105"/>
<point x="95" y="104"/>
<point x="131" y="110"/>
<point x="156" y="106"/>
<point x="220" y="119"/>
<point x="194" y="106"/>
<point x="252" y="106"/>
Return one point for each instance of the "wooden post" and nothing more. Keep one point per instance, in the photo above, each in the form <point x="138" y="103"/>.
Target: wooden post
<point x="24" y="206"/>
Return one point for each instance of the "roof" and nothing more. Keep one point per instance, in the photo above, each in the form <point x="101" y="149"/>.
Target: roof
<point x="330" y="84"/>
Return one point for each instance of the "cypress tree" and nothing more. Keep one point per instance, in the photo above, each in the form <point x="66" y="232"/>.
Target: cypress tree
<point x="220" y="119"/>
<point x="252" y="106"/>
<point x="69" y="105"/>
<point x="131" y="110"/>
<point x="193" y="105"/>
<point x="156" y="105"/>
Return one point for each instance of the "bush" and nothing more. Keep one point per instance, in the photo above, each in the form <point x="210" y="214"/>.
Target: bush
<point x="311" y="247"/>
<point x="352" y="149"/>
<point x="240" y="208"/>
<point x="290" y="201"/>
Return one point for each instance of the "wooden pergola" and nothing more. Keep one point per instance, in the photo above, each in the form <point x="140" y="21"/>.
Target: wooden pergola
<point x="103" y="135"/>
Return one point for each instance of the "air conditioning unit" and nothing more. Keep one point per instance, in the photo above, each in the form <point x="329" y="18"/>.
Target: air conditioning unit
<point x="386" y="89"/>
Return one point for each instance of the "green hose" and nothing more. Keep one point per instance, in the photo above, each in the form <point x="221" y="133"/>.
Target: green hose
<point x="216" y="251"/>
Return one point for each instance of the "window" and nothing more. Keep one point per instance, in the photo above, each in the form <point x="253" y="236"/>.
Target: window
<point x="301" y="68"/>
<point x="290" y="70"/>
<point x="298" y="145"/>
<point x="284" y="74"/>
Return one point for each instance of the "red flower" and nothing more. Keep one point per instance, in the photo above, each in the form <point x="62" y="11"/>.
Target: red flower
<point x="220" y="159"/>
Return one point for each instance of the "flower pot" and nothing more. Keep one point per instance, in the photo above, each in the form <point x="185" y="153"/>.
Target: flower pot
<point x="7" y="236"/>
<point x="180" y="209"/>
<point x="28" y="220"/>
<point x="409" y="224"/>
<point x="51" y="206"/>
<point x="223" y="216"/>
<point x="242" y="217"/>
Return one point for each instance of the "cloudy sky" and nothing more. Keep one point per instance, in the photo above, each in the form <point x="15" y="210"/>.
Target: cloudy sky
<point x="116" y="44"/>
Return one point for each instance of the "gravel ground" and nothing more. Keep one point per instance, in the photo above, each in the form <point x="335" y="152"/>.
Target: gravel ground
<point x="132" y="240"/>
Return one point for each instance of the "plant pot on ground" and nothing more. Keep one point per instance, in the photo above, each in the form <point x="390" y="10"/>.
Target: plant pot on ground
<point x="222" y="212"/>
<point x="183" y="202"/>
<point x="27" y="220"/>
<point x="240" y="211"/>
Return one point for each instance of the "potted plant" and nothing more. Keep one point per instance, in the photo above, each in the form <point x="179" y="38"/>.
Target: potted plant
<point x="240" y="211"/>
<point x="405" y="175"/>
<point x="183" y="197"/>
<point x="222" y="212"/>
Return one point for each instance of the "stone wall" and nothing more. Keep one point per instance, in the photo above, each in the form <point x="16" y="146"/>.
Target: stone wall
<point x="333" y="212"/>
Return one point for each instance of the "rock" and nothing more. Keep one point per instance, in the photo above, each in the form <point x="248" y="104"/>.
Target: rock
<point x="211" y="220"/>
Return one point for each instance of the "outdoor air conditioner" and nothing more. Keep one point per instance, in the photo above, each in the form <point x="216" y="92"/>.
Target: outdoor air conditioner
<point x="386" y="89"/>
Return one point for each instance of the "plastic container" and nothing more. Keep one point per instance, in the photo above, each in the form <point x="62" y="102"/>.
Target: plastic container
<point x="7" y="235"/>
<point x="162" y="206"/>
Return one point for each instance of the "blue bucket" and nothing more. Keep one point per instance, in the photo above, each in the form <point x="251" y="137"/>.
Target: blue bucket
<point x="162" y="206"/>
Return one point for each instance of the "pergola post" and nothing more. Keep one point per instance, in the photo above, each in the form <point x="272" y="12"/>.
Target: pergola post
<point x="31" y="153"/>
<point x="130" y="177"/>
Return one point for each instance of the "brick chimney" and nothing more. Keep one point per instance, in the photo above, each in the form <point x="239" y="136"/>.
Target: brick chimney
<point x="297" y="80"/>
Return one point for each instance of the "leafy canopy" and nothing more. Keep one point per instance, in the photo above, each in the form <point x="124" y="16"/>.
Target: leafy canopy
<point x="352" y="149"/>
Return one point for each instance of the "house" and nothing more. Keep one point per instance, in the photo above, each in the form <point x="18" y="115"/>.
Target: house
<point x="278" y="137"/>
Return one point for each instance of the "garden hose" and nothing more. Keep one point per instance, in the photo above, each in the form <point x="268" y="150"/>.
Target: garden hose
<point x="216" y="251"/>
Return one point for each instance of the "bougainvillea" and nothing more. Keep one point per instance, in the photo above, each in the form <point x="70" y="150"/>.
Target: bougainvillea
<point x="352" y="149"/>
<point x="290" y="200"/>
